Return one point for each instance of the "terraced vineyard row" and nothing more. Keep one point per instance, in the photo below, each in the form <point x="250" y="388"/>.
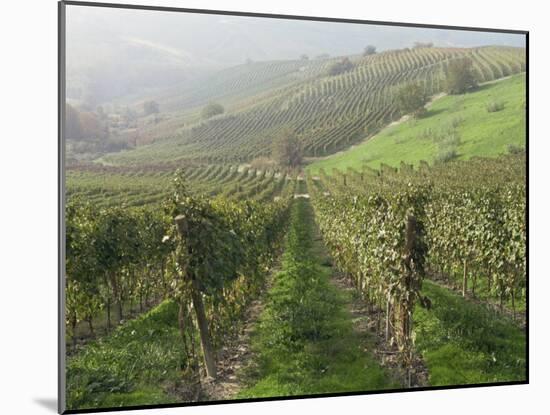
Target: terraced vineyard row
<point x="328" y="113"/>
<point x="471" y="215"/>
<point x="105" y="186"/>
<point x="205" y="257"/>
<point x="462" y="223"/>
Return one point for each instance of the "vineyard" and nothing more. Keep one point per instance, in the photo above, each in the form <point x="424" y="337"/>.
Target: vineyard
<point x="108" y="186"/>
<point x="329" y="113"/>
<point x="196" y="273"/>
<point x="392" y="234"/>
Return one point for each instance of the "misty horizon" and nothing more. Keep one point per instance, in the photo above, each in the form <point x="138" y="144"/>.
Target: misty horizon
<point x="112" y="53"/>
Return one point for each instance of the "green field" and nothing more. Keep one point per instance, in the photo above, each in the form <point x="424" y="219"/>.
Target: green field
<point x="481" y="133"/>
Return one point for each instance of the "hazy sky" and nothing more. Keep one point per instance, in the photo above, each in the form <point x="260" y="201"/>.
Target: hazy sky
<point x="152" y="48"/>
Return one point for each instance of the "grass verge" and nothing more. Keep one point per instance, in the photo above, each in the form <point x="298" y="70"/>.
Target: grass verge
<point x="135" y="365"/>
<point x="464" y="343"/>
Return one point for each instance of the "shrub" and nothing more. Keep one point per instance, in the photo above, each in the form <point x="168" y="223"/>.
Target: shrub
<point x="448" y="147"/>
<point x="369" y="50"/>
<point x="460" y="76"/>
<point x="514" y="149"/>
<point x="495" y="106"/>
<point x="211" y="110"/>
<point x="456" y="121"/>
<point x="340" y="67"/>
<point x="411" y="98"/>
<point x="446" y="155"/>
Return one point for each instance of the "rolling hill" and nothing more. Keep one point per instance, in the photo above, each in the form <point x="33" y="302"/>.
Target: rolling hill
<point x="328" y="113"/>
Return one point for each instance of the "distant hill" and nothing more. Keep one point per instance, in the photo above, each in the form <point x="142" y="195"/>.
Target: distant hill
<point x="328" y="113"/>
<point x="115" y="53"/>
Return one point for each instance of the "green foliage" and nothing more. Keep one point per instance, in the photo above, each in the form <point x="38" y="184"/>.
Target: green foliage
<point x="472" y="215"/>
<point x="287" y="149"/>
<point x="514" y="149"/>
<point x="225" y="247"/>
<point x="149" y="186"/>
<point x="386" y="254"/>
<point x="211" y="110"/>
<point x="411" y="99"/>
<point x="130" y="365"/>
<point x="482" y="228"/>
<point x="460" y="77"/>
<point x="447" y="147"/>
<point x="473" y="211"/>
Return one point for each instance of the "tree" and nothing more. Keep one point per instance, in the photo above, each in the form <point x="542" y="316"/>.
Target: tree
<point x="150" y="107"/>
<point x="73" y="129"/>
<point x="90" y="126"/>
<point x="287" y="149"/>
<point x="212" y="109"/>
<point x="411" y="98"/>
<point x="369" y="50"/>
<point x="340" y="67"/>
<point x="460" y="76"/>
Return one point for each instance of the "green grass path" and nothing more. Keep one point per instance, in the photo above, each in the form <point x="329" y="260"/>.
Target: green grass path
<point x="305" y="342"/>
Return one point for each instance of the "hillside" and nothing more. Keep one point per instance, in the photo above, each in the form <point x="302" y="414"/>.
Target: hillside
<point x="236" y="88"/>
<point x="461" y="122"/>
<point x="328" y="113"/>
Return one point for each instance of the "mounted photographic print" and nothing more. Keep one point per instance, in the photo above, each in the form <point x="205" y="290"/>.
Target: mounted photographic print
<point x="263" y="206"/>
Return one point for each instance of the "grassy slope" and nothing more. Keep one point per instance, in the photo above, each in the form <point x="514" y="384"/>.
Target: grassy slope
<point x="464" y="343"/>
<point x="482" y="133"/>
<point x="132" y="366"/>
<point x="305" y="343"/>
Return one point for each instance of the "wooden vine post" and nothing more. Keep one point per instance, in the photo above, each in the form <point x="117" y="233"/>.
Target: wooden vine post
<point x="198" y="305"/>
<point x="410" y="284"/>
